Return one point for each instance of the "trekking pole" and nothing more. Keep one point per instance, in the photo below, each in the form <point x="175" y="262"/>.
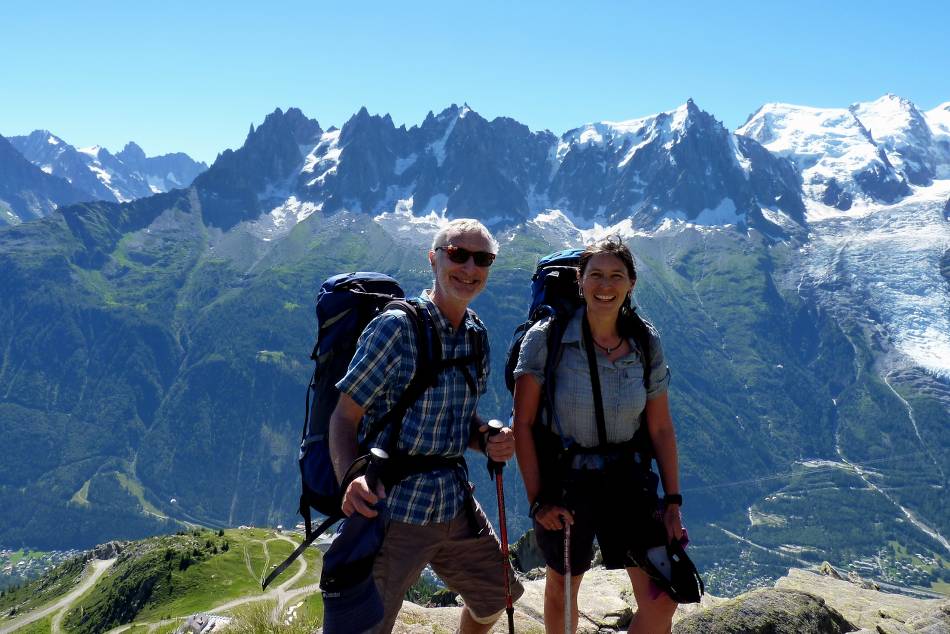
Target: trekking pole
<point x="377" y="460"/>
<point x="495" y="471"/>
<point x="568" y="597"/>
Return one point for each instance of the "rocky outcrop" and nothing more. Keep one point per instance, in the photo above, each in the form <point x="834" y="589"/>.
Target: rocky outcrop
<point x="768" y="611"/>
<point x="868" y="609"/>
<point x="605" y="604"/>
<point x="109" y="550"/>
<point x="802" y="602"/>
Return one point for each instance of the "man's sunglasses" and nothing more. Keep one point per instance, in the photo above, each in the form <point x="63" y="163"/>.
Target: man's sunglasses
<point x="459" y="255"/>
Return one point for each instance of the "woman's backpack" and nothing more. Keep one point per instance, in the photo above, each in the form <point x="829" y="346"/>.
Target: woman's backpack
<point x="555" y="293"/>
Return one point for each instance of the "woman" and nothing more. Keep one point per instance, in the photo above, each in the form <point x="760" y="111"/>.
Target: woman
<point x="600" y="483"/>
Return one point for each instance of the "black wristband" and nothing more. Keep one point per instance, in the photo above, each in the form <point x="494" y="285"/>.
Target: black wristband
<point x="673" y="498"/>
<point x="535" y="507"/>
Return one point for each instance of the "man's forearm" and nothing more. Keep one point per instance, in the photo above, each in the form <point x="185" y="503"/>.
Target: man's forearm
<point x="343" y="444"/>
<point x="343" y="439"/>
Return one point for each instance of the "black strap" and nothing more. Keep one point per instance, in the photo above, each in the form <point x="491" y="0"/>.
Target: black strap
<point x="306" y="416"/>
<point x="299" y="550"/>
<point x="402" y="465"/>
<point x="595" y="383"/>
<point x="357" y="468"/>
<point x="640" y="331"/>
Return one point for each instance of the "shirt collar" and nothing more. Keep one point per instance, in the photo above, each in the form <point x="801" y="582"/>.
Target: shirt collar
<point x="572" y="334"/>
<point x="440" y="320"/>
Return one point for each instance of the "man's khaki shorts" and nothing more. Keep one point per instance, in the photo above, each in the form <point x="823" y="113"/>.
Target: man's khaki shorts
<point x="467" y="564"/>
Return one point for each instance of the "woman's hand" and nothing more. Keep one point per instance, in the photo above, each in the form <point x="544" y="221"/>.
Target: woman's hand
<point x="673" y="522"/>
<point x="553" y="518"/>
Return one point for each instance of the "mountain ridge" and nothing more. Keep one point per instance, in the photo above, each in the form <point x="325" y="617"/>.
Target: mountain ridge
<point x="101" y="175"/>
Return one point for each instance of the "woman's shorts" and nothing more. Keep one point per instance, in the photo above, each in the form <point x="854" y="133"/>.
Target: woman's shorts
<point x="618" y="522"/>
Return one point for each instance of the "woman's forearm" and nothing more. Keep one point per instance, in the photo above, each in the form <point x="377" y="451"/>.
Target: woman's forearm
<point x="663" y="436"/>
<point x="664" y="445"/>
<point x="527" y="397"/>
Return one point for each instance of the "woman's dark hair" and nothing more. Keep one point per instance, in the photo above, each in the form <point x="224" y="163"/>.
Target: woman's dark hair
<point x="612" y="245"/>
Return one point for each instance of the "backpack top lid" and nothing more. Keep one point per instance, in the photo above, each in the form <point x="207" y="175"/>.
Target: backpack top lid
<point x="346" y="302"/>
<point x="567" y="257"/>
<point x="554" y="285"/>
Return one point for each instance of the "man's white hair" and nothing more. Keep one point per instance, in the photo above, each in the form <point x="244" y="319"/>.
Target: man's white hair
<point x="464" y="225"/>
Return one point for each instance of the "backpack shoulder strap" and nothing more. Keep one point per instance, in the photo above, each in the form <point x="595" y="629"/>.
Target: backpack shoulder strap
<point x="641" y="331"/>
<point x="554" y="353"/>
<point x="595" y="383"/>
<point x="428" y="350"/>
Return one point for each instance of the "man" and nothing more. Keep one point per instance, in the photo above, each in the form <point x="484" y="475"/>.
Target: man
<point x="433" y="517"/>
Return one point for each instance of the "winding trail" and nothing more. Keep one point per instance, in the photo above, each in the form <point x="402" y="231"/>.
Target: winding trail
<point x="739" y="538"/>
<point x="98" y="567"/>
<point x="279" y="593"/>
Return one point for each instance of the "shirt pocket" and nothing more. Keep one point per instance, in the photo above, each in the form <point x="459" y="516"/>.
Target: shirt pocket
<point x="632" y="394"/>
<point x="573" y="376"/>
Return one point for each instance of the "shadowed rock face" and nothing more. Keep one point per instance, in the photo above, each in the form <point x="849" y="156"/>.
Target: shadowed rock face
<point x="525" y="553"/>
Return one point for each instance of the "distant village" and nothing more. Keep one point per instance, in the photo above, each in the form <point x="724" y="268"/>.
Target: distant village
<point x="18" y="566"/>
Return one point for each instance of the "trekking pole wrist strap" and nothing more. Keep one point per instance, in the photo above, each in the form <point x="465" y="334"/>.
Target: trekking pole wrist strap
<point x="535" y="507"/>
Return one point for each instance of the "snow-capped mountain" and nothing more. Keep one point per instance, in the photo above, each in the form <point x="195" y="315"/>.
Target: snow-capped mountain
<point x="939" y="121"/>
<point x="103" y="176"/>
<point x="836" y="155"/>
<point x="896" y="125"/>
<point x="868" y="153"/>
<point x="26" y="191"/>
<point x="681" y="164"/>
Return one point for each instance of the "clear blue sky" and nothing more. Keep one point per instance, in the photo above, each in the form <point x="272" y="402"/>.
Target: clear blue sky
<point x="192" y="76"/>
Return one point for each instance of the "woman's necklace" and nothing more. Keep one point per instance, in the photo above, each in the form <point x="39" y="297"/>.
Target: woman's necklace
<point x="609" y="349"/>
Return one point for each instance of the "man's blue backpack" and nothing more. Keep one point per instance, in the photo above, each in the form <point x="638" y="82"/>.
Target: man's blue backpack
<point x="346" y="303"/>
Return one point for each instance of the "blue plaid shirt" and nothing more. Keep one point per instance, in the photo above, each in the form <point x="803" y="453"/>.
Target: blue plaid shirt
<point x="440" y="422"/>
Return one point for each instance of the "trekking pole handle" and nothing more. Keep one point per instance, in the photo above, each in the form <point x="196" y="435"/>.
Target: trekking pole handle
<point x="377" y="461"/>
<point x="494" y="428"/>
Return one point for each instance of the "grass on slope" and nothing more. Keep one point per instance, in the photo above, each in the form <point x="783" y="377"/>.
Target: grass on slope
<point x="177" y="575"/>
<point x="43" y="626"/>
<point x="256" y="618"/>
